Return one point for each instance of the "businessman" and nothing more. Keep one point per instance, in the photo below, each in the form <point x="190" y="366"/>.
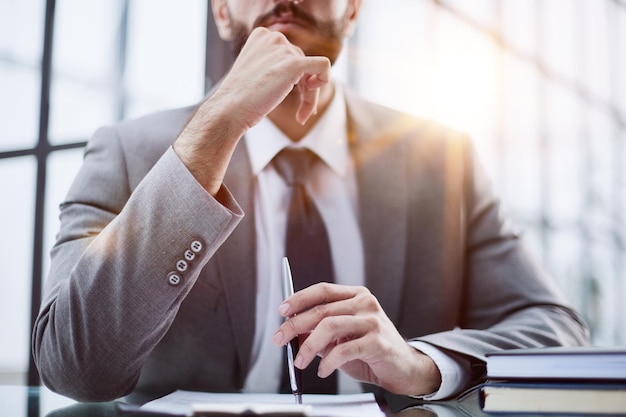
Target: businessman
<point x="166" y="271"/>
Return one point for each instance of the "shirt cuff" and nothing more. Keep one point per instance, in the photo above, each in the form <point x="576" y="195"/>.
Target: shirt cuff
<point x="454" y="377"/>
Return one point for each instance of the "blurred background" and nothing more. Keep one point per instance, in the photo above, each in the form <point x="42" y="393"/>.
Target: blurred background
<point x="540" y="85"/>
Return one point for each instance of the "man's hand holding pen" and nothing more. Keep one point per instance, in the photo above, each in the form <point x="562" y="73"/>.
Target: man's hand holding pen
<point x="347" y="327"/>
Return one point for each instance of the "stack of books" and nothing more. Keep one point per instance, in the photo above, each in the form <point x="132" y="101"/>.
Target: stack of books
<point x="556" y="380"/>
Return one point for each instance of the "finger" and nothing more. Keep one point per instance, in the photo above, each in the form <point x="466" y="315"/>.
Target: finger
<point x="317" y="80"/>
<point x="362" y="349"/>
<point x="335" y="330"/>
<point x="309" y="96"/>
<point x="309" y="87"/>
<point x="308" y="320"/>
<point x="320" y="293"/>
<point x="308" y="104"/>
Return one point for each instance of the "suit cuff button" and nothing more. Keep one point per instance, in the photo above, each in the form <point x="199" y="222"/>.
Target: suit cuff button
<point x="197" y="246"/>
<point x="174" y="279"/>
<point x="181" y="266"/>
<point x="190" y="255"/>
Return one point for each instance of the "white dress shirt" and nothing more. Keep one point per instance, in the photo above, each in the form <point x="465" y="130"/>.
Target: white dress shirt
<point x="333" y="188"/>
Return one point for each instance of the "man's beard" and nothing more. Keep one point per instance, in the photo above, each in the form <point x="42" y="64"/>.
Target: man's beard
<point x="330" y="31"/>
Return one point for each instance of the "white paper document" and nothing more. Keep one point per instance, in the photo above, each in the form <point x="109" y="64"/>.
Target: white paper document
<point x="316" y="405"/>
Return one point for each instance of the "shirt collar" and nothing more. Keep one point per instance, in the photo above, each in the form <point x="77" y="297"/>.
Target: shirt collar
<point x="328" y="138"/>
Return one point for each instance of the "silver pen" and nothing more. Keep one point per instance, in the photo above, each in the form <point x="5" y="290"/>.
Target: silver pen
<point x="295" y="374"/>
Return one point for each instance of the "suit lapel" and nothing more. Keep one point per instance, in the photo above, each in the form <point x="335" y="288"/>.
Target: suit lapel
<point x="236" y="259"/>
<point x="380" y="162"/>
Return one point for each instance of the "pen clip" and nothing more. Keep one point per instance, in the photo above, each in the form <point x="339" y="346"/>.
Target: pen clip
<point x="287" y="279"/>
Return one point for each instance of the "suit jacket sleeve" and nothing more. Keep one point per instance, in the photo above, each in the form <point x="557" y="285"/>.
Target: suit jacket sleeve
<point x="108" y="295"/>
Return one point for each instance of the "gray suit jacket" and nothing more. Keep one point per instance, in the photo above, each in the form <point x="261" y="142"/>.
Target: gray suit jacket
<point x="440" y="258"/>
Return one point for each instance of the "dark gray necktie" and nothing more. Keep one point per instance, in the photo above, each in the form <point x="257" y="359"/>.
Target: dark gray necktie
<point x="307" y="247"/>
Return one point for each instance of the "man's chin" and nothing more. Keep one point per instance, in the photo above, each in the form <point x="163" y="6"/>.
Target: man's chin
<point x="302" y="39"/>
<point x="298" y="35"/>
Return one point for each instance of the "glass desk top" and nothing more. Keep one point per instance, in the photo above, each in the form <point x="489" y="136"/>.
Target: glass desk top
<point x="23" y="401"/>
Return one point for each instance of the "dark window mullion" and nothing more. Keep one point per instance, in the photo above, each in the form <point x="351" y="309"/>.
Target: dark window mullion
<point x="34" y="151"/>
<point x="41" y="152"/>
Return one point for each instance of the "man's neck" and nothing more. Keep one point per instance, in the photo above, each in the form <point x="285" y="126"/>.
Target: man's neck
<point x="284" y="116"/>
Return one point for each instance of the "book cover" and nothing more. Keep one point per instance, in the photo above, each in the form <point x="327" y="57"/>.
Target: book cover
<point x="554" y="398"/>
<point x="559" y="363"/>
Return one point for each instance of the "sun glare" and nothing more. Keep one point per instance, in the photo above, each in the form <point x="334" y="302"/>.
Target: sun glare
<point x="463" y="89"/>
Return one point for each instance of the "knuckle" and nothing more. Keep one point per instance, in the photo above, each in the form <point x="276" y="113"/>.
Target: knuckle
<point x="326" y="290"/>
<point x="320" y="311"/>
<point x="367" y="299"/>
<point x="331" y="324"/>
<point x="274" y="35"/>
<point x="292" y="325"/>
<point x="362" y="290"/>
<point x="372" y="304"/>
<point x="351" y="350"/>
<point x="373" y="322"/>
<point x="307" y="349"/>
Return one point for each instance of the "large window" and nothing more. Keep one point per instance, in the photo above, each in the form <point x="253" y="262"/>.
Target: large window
<point x="94" y="63"/>
<point x="538" y="84"/>
<point x="541" y="88"/>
